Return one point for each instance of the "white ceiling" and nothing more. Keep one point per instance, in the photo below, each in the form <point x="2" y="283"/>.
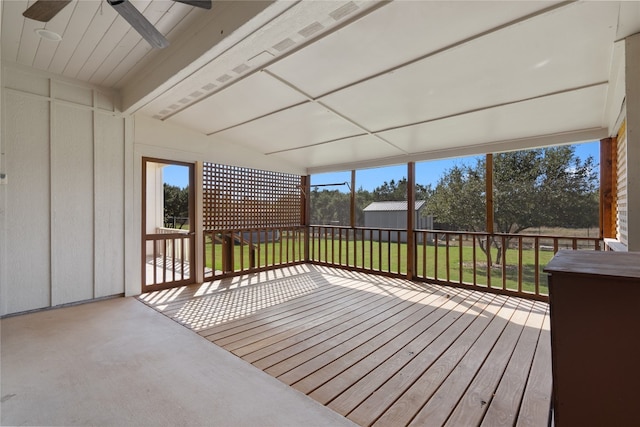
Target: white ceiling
<point x="332" y="85"/>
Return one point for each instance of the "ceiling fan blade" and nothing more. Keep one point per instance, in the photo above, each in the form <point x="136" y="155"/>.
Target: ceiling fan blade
<point x="45" y="10"/>
<point x="139" y="23"/>
<point x="204" y="4"/>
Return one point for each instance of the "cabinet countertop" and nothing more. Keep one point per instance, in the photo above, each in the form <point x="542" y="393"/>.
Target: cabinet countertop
<point x="596" y="263"/>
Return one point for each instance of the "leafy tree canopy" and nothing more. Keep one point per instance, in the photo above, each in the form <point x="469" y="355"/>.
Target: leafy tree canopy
<point x="549" y="187"/>
<point x="176" y="203"/>
<point x="543" y="187"/>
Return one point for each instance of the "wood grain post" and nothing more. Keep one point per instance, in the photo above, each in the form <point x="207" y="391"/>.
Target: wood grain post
<point x="607" y="174"/>
<point x="352" y="207"/>
<point x="489" y="192"/>
<point x="411" y="216"/>
<point x="306" y="213"/>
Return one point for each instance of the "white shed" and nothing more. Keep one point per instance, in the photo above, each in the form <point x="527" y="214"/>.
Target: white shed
<point x="394" y="215"/>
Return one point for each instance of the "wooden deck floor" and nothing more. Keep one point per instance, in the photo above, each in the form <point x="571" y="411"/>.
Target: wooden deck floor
<point x="380" y="351"/>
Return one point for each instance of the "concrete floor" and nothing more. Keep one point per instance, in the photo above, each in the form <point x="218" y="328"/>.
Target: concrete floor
<point x="119" y="362"/>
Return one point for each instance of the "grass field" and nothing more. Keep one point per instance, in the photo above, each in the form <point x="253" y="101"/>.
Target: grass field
<point x="391" y="257"/>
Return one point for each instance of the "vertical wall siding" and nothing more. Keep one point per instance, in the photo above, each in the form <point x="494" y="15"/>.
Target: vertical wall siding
<point x="27" y="247"/>
<point x="109" y="208"/>
<point x="71" y="204"/>
<point x="65" y="219"/>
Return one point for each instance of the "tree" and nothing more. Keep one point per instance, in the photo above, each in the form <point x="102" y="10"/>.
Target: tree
<point x="176" y="203"/>
<point x="333" y="207"/>
<point x="397" y="191"/>
<point x="330" y="207"/>
<point x="543" y="187"/>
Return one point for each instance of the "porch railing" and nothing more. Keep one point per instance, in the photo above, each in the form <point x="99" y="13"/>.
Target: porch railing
<point x="174" y="248"/>
<point x="503" y="263"/>
<point x="376" y="250"/>
<point x="168" y="257"/>
<point x="231" y="252"/>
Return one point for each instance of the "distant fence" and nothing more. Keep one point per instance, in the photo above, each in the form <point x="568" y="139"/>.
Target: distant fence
<point x="178" y="222"/>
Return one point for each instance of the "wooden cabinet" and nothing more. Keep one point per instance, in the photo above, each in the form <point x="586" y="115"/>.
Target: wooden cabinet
<point x="595" y="338"/>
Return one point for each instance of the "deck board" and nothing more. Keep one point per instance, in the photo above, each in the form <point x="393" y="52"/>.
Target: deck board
<point x="380" y="351"/>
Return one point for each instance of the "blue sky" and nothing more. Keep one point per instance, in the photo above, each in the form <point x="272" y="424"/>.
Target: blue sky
<point x="426" y="172"/>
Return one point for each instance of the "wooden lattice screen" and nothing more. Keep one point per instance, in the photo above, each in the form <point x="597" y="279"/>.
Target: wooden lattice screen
<point x="242" y="198"/>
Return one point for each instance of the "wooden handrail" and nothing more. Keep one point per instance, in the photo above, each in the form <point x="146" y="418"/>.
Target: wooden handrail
<point x="228" y="252"/>
<point x="495" y="262"/>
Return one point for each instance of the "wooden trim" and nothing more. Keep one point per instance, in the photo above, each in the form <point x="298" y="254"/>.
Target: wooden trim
<point x="306" y="213"/>
<point x="199" y="240"/>
<point x="606" y="189"/>
<point x="489" y="192"/>
<point x="143" y="227"/>
<point x="614" y="188"/>
<point x="194" y="260"/>
<point x="411" y="215"/>
<point x="352" y="208"/>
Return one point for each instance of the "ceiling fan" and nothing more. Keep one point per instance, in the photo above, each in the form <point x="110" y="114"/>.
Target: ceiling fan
<point x="45" y="10"/>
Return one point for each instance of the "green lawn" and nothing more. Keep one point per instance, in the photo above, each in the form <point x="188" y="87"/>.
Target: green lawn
<point x="384" y="257"/>
<point x="265" y="253"/>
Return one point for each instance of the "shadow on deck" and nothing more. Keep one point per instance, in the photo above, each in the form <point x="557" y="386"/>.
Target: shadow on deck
<point x="380" y="351"/>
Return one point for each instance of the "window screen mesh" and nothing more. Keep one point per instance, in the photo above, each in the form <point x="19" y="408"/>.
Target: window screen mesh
<point x="239" y="198"/>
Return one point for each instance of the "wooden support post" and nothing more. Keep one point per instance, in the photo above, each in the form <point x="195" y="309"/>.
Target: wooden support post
<point x="227" y="250"/>
<point x="489" y="192"/>
<point x="411" y="216"/>
<point x="352" y="207"/>
<point x="306" y="213"/>
<point x="632" y="123"/>
<point x="607" y="219"/>
<point x="198" y="259"/>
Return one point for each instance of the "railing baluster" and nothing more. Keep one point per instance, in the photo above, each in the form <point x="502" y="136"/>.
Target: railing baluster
<point x="475" y="263"/>
<point x="215" y="254"/>
<point x="273" y="244"/>
<point x="347" y="247"/>
<point x="536" y="263"/>
<point x="363" y="235"/>
<point x="241" y="238"/>
<point x="388" y="251"/>
<point x="460" y="259"/>
<point x="340" y="246"/>
<point x="435" y="258"/>
<point x="447" y="260"/>
<point x="232" y="249"/>
<point x="488" y="250"/>
<point x="182" y="258"/>
<point x="380" y="265"/>
<point x="281" y="235"/>
<point x="425" y="237"/>
<point x="397" y="245"/>
<point x="326" y="246"/>
<point x="155" y="261"/>
<point x="371" y="252"/>
<point x="520" y="254"/>
<point x="503" y="243"/>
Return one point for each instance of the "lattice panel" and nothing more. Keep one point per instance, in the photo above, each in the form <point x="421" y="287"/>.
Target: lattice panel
<point x="240" y="198"/>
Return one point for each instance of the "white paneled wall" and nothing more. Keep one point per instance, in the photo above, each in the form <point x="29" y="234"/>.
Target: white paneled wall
<point x="65" y="148"/>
